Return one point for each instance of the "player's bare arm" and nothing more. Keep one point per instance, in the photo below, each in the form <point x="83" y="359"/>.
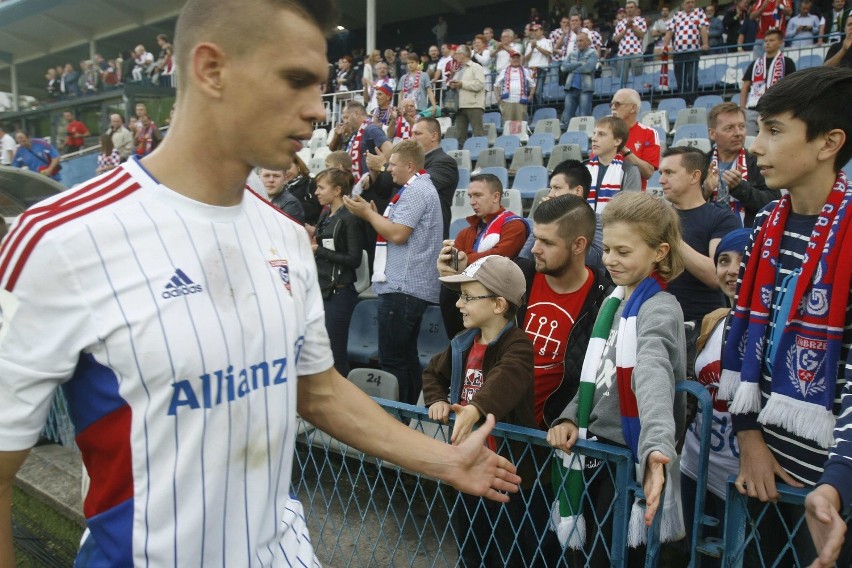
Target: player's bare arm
<point x="335" y="405"/>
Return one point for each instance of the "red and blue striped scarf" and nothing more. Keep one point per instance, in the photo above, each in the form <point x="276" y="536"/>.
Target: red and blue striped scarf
<point x="806" y="358"/>
<point x="610" y="184"/>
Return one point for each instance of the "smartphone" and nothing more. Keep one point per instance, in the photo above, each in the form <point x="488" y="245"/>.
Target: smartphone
<point x="454" y="259"/>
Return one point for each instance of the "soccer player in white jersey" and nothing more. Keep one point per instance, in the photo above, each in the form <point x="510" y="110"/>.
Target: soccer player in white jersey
<point x="182" y="316"/>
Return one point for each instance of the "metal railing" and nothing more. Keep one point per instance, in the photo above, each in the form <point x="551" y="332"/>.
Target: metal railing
<point x="365" y="512"/>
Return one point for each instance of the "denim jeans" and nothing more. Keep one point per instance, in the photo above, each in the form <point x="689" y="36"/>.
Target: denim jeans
<point x="577" y="103"/>
<point x="399" y="325"/>
<point x="338" y="314"/>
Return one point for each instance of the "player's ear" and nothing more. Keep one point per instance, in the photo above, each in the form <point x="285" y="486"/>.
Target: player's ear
<point x="207" y="67"/>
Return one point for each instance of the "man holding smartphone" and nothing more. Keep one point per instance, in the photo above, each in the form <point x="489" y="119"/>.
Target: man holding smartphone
<point x="492" y="230"/>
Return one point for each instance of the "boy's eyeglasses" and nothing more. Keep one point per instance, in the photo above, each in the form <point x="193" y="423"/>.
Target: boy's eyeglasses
<point x="468" y="299"/>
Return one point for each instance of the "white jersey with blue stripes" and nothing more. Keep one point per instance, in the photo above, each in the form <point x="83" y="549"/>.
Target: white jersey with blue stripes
<point x="177" y="331"/>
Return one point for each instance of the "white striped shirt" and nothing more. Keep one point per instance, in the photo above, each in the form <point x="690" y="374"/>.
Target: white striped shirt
<point x="177" y="330"/>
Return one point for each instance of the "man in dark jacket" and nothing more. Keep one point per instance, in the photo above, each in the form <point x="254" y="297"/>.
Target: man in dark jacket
<point x="733" y="178"/>
<point x="442" y="168"/>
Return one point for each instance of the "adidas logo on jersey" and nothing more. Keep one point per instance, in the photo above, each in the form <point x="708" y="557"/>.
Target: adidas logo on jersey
<point x="180" y="285"/>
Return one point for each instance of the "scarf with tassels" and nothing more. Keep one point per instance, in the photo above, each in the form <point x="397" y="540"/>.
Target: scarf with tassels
<point x="742" y="167"/>
<point x="663" y="82"/>
<point x="380" y="260"/>
<point x="759" y="79"/>
<point x="567" y="516"/>
<point x="516" y="76"/>
<point x="610" y="184"/>
<point x="403" y="129"/>
<point x="355" y="150"/>
<point x="811" y="317"/>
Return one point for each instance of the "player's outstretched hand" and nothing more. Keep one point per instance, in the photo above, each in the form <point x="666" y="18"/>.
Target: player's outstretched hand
<point x="479" y="471"/>
<point x="825" y="524"/>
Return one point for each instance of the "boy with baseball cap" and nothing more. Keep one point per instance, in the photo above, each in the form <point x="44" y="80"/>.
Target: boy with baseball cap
<point x="487" y="369"/>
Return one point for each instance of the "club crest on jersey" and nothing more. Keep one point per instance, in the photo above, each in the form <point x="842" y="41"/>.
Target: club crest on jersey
<point x="180" y="285"/>
<point x="283" y="269"/>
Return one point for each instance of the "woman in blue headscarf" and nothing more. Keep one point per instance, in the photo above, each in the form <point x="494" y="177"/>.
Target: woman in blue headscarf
<point x="724" y="452"/>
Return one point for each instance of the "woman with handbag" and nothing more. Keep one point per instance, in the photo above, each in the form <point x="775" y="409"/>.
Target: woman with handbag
<point x="337" y="249"/>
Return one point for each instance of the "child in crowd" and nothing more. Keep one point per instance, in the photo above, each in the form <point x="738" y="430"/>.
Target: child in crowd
<point x="627" y="385"/>
<point x="610" y="173"/>
<point x="787" y="367"/>
<point x="338" y="249"/>
<point x="340" y="160"/>
<point x="724" y="451"/>
<point x="488" y="368"/>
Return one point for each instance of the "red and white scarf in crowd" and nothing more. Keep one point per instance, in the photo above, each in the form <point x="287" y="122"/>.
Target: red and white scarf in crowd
<point x="516" y="74"/>
<point x="664" y="70"/>
<point x="610" y="184"/>
<point x="759" y="79"/>
<point x="742" y="167"/>
<point x="355" y="150"/>
<point x="409" y="88"/>
<point x="403" y="129"/>
<point x="380" y="262"/>
<point x="490" y="235"/>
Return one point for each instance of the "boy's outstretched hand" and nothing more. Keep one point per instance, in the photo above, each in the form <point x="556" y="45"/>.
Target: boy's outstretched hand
<point x="477" y="470"/>
<point x="466" y="419"/>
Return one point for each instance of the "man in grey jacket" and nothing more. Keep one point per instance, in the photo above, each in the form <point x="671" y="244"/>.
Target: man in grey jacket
<point x="469" y="83"/>
<point x="580" y="85"/>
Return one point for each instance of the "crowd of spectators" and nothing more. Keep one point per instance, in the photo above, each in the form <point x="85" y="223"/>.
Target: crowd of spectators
<point x="99" y="74"/>
<point x="619" y="37"/>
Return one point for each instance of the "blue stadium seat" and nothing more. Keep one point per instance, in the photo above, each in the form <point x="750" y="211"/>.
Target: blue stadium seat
<point x="707" y="102"/>
<point x="464" y="178"/>
<point x="432" y="338"/>
<point x="654" y="180"/>
<point x="645" y="106"/>
<point x="475" y="145"/>
<point x="606" y="86"/>
<point x="509" y="143"/>
<point x="494" y="118"/>
<point x="501" y="173"/>
<point x="543" y="140"/>
<point x="457" y="225"/>
<point x="542" y="113"/>
<point x="363" y="344"/>
<point x="689" y="131"/>
<point x="574" y="137"/>
<point x="449" y="144"/>
<point x="807" y="61"/>
<point x="553" y="92"/>
<point x="712" y="76"/>
<point x="601" y="110"/>
<point x="671" y="106"/>
<point x="529" y="180"/>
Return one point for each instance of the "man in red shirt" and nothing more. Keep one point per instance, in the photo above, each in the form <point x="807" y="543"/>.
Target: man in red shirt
<point x="492" y="230"/>
<point x="770" y="14"/>
<point x="76" y="133"/>
<point x="643" y="142"/>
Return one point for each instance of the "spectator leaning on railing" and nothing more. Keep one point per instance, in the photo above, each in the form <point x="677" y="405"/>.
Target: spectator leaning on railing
<point x="786" y="366"/>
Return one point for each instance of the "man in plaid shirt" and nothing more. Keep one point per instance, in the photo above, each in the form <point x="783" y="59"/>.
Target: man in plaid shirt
<point x="629" y="34"/>
<point x="690" y="30"/>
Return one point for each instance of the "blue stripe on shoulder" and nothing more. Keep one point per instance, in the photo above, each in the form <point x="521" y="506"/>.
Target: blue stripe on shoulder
<point x="92" y="392"/>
